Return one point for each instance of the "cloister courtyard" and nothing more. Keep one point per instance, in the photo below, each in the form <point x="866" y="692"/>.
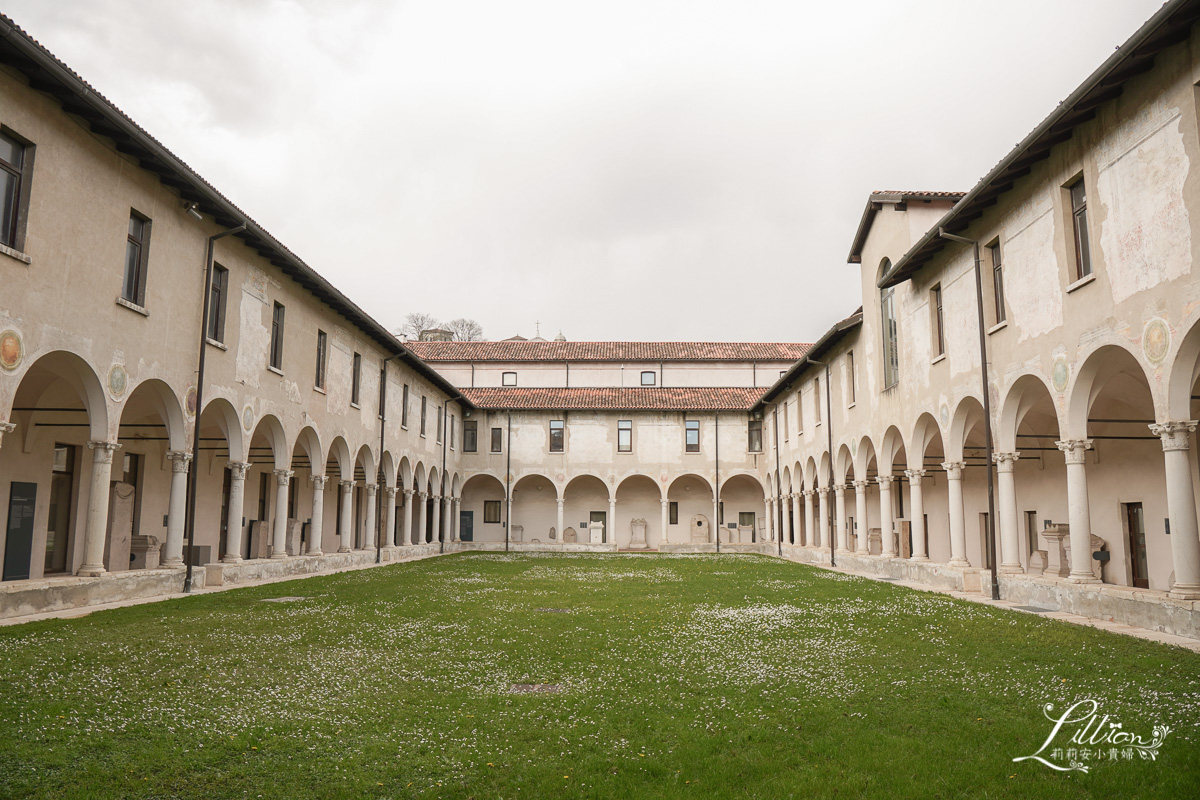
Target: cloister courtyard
<point x="542" y="675"/>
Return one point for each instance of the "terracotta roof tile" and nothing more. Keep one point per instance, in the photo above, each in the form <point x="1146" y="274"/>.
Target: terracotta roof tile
<point x="608" y="351"/>
<point x="637" y="398"/>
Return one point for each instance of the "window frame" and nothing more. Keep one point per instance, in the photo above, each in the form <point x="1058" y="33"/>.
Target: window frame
<point x="891" y="337"/>
<point x="624" y="436"/>
<point x="404" y="408"/>
<point x="1079" y="226"/>
<point x="278" y="323"/>
<point x="322" y="360"/>
<point x="497" y="443"/>
<point x="424" y="414"/>
<point x="817" y="401"/>
<point x="653" y="377"/>
<point x="998" y="281"/>
<point x="851" y="381"/>
<point x="672" y="512"/>
<point x="441" y="425"/>
<point x="753" y="426"/>
<point x="218" y="294"/>
<point x="490" y="506"/>
<point x="356" y="380"/>
<point x="470" y="435"/>
<point x="938" y="320"/>
<point x="558" y="430"/>
<point x="691" y="426"/>
<point x="136" y="293"/>
<point x="12" y="231"/>
<point x="504" y="379"/>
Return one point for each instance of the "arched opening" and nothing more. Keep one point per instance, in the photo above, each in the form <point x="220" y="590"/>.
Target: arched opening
<point x="967" y="447"/>
<point x="1029" y="427"/>
<point x="638" y="524"/>
<point x="482" y="509"/>
<point x="690" y="510"/>
<point x="364" y="534"/>
<point x="433" y="511"/>
<point x="929" y="453"/>
<point x="866" y="499"/>
<point x="535" y="511"/>
<point x="220" y="446"/>
<point x="740" y="513"/>
<point x="420" y="506"/>
<point x="268" y="454"/>
<point x="47" y="468"/>
<point x="307" y="461"/>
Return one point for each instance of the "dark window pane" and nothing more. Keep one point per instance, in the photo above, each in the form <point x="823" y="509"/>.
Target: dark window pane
<point x="9" y="185"/>
<point x="556" y="436"/>
<point x="12" y="152"/>
<point x="470" y="435"/>
<point x="497" y="439"/>
<point x="133" y="257"/>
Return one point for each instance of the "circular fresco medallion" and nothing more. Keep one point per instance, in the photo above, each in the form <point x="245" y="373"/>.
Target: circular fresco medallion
<point x="1060" y="375"/>
<point x="118" y="381"/>
<point x="10" y="349"/>
<point x="1156" y="340"/>
<point x="190" y="402"/>
<point x="248" y="418"/>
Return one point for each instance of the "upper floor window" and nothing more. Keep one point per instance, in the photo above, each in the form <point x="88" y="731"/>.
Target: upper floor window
<point x="851" y="389"/>
<point x="691" y="441"/>
<point x="497" y="440"/>
<point x="217" y="292"/>
<point x="12" y="189"/>
<point x="817" y="400"/>
<point x="404" y="407"/>
<point x="137" y="247"/>
<point x="450" y="424"/>
<point x="754" y="436"/>
<point x="649" y="378"/>
<point x="1083" y="251"/>
<point x="356" y="380"/>
<point x="799" y="413"/>
<point x="508" y="379"/>
<point x="440" y="423"/>
<point x="785" y="421"/>
<point x="624" y="436"/>
<point x="322" y="349"/>
<point x="557" y="435"/>
<point x="424" y="413"/>
<point x="277" y="336"/>
<point x="382" y="390"/>
<point x="891" y="339"/>
<point x="998" y="281"/>
<point x="470" y="435"/>
<point x="936" y="323"/>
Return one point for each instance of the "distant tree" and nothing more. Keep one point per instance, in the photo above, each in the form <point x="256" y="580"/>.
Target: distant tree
<point x="465" y="330"/>
<point x="415" y="322"/>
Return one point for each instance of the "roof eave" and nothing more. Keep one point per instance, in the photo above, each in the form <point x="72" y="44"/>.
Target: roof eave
<point x="820" y="346"/>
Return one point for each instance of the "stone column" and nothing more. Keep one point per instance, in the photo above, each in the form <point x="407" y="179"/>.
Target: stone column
<point x="958" y="522"/>
<point x="421" y="511"/>
<point x="769" y="506"/>
<point x="447" y="528"/>
<point x="176" y="508"/>
<point x="561" y="520"/>
<point x="862" y="542"/>
<point x="839" y="513"/>
<point x="823" y="512"/>
<point x="785" y="506"/>
<point x="666" y="520"/>
<point x="406" y="518"/>
<point x="508" y="517"/>
<point x="716" y="529"/>
<point x="916" y="501"/>
<point x="237" y="501"/>
<point x="318" y="514"/>
<point x="389" y="526"/>
<point x="1010" y="551"/>
<point x="610" y="535"/>
<point x="1181" y="507"/>
<point x="97" y="518"/>
<point x="436" y="524"/>
<point x="370" y="531"/>
<point x="813" y="537"/>
<point x="456" y="519"/>
<point x="283" y="478"/>
<point x="1078" y="513"/>
<point x="798" y="527"/>
<point x="885" y="514"/>
<point x="344" y="514"/>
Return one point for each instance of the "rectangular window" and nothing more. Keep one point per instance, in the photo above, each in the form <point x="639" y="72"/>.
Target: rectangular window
<point x="649" y="378"/>
<point x="497" y="440"/>
<point x="1083" y="250"/>
<point x="404" y="407"/>
<point x="424" y="413"/>
<point x="12" y="197"/>
<point x="891" y="339"/>
<point x="217" y="292"/>
<point x="439" y="425"/>
<point x="851" y="389"/>
<point x="470" y="435"/>
<point x="786" y="429"/>
<point x="624" y="436"/>
<point x="817" y="400"/>
<point x="557" y="435"/>
<point x="277" y="336"/>
<point x="509" y="379"/>
<point x="673" y="512"/>
<point x="382" y="390"/>
<point x="998" y="282"/>
<point x="754" y="438"/>
<point x="491" y="511"/>
<point x="137" y="247"/>
<point x="451" y="431"/>
<point x="936" y="323"/>
<point x="1031" y="530"/>
<point x="746" y="519"/>
<point x="322" y="349"/>
<point x="355" y="379"/>
<point x="691" y="436"/>
<point x="799" y="413"/>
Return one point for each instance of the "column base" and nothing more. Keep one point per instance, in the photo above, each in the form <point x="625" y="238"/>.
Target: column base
<point x="1011" y="569"/>
<point x="1086" y="577"/>
<point x="227" y="559"/>
<point x="314" y="552"/>
<point x="343" y="549"/>
<point x="958" y="562"/>
<point x="172" y="562"/>
<point x="919" y="558"/>
<point x="1185" y="592"/>
<point x="90" y="571"/>
<point x="278" y="555"/>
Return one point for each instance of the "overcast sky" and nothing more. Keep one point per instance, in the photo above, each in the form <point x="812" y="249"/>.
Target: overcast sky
<point x="617" y="170"/>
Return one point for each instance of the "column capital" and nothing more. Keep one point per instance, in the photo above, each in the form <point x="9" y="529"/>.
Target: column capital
<point x="283" y="476"/>
<point x="1006" y="461"/>
<point x="1075" y="450"/>
<point x="391" y="492"/>
<point x="884" y="480"/>
<point x="407" y="492"/>
<point x="345" y="486"/>
<point x="6" y="427"/>
<point x="914" y="476"/>
<point x="859" y="485"/>
<point x="953" y="469"/>
<point x="423" y="495"/>
<point x="238" y="469"/>
<point x="664" y="503"/>
<point x="371" y="487"/>
<point x="318" y="482"/>
<point x="1174" y="434"/>
<point x="103" y="451"/>
<point x="807" y="493"/>
<point x="179" y="460"/>
<point x="823" y="490"/>
<point x="561" y="500"/>
<point x="839" y="488"/>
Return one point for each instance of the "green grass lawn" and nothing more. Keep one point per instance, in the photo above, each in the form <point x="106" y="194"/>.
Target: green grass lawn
<point x="678" y="676"/>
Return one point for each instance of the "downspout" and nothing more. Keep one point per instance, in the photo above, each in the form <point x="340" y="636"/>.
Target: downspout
<point x="190" y="519"/>
<point x="449" y="524"/>
<point x="507" y="480"/>
<point x="987" y="410"/>
<point x="717" y="474"/>
<point x="778" y="482"/>
<point x="829" y="484"/>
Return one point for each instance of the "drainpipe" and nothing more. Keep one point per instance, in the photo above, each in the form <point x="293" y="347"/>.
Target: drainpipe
<point x="829" y="484"/>
<point x="717" y="474"/>
<point x="449" y="523"/>
<point x="507" y="480"/>
<point x="987" y="410"/>
<point x="190" y="518"/>
<point x="778" y="482"/>
<point x="381" y="491"/>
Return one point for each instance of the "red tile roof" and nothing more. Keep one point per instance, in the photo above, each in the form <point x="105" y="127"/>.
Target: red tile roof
<point x="636" y="398"/>
<point x="608" y="351"/>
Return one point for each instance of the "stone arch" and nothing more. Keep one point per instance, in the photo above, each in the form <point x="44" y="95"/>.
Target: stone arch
<point x="219" y="415"/>
<point x="1183" y="377"/>
<point x="338" y="459"/>
<point x="63" y="375"/>
<point x="476" y="492"/>
<point x="966" y="423"/>
<point x="364" y="465"/>
<point x="268" y="441"/>
<point x="742" y="498"/>
<point x="535" y="509"/>
<point x="843" y="468"/>
<point x="692" y="497"/>
<point x="1106" y="367"/>
<point x="154" y="397"/>
<point x="308" y="442"/>
<point x="1027" y="393"/>
<point x="638" y="499"/>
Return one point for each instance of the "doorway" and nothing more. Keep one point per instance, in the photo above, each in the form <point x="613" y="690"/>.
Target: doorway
<point x="1136" y="525"/>
<point x="466" y="526"/>
<point x="602" y="518"/>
